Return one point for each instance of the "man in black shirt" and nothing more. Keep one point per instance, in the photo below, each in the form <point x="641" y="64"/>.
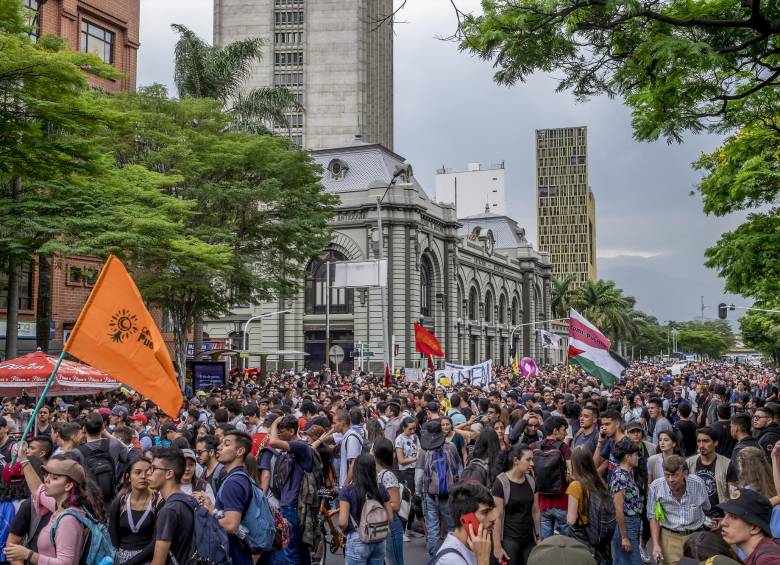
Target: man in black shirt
<point x="687" y="429"/>
<point x="723" y="428"/>
<point x="175" y="520"/>
<point x="714" y="469"/>
<point x="740" y="430"/>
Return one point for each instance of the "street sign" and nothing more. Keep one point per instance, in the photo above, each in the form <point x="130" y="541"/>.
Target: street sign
<point x="368" y="354"/>
<point x="243" y="355"/>
<point x="336" y="354"/>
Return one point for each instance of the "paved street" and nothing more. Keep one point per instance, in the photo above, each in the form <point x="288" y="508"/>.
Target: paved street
<point x="414" y="554"/>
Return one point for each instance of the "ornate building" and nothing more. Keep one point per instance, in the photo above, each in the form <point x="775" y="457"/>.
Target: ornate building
<point x="473" y="282"/>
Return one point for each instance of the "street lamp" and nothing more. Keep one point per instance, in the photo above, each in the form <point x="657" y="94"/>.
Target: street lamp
<point x="258" y="317"/>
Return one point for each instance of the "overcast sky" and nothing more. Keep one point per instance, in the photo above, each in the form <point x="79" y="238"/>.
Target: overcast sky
<point x="651" y="234"/>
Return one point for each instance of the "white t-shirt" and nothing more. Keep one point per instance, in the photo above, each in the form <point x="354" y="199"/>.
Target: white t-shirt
<point x="410" y="446"/>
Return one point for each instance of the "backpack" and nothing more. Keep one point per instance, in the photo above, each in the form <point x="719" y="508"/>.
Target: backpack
<point x="439" y="473"/>
<point x="374" y="525"/>
<point x="281" y="471"/>
<point x="507" y="488"/>
<point x="209" y="541"/>
<point x="100" y="468"/>
<point x="445" y="551"/>
<point x="258" y="528"/>
<point x="216" y="476"/>
<point x="309" y="502"/>
<point x="364" y="447"/>
<point x="550" y="468"/>
<point x="97" y="549"/>
<point x="476" y="471"/>
<point x="601" y="518"/>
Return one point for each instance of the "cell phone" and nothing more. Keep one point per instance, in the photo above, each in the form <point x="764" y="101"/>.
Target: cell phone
<point x="470" y="519"/>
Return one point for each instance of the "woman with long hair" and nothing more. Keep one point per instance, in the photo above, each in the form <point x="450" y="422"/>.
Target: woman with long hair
<point x="196" y="486"/>
<point x="517" y="507"/>
<point x="407" y="449"/>
<point x="586" y="482"/>
<point x="488" y="449"/>
<point x="668" y="444"/>
<point x="364" y="486"/>
<point x="754" y="472"/>
<point x="64" y="488"/>
<point x="131" y="518"/>
<point x="383" y="454"/>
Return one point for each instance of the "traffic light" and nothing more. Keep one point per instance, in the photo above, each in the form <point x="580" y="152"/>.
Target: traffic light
<point x="722" y="310"/>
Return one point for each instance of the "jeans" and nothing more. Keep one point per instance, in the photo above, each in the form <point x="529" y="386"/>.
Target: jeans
<point x="551" y="518"/>
<point x="433" y="507"/>
<point x="296" y="553"/>
<point x="359" y="553"/>
<point x="620" y="557"/>
<point x="394" y="546"/>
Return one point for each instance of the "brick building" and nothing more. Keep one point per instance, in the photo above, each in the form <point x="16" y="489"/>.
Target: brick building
<point x="108" y="28"/>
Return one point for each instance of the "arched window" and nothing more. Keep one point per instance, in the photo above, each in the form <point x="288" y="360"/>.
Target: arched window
<point x="502" y="309"/>
<point x="426" y="287"/>
<point x="459" y="304"/>
<point x="489" y="302"/>
<point x="473" y="304"/>
<point x="341" y="299"/>
<point x="515" y="311"/>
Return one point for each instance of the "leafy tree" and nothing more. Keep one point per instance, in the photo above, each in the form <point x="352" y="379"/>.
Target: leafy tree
<point x="561" y="295"/>
<point x="651" y="338"/>
<point x="681" y="65"/>
<point x="259" y="211"/>
<point x="762" y="331"/>
<point x="206" y="71"/>
<point x="703" y="341"/>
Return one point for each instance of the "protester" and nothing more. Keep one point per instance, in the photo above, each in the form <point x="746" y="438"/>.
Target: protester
<point x="628" y="505"/>
<point x="586" y="483"/>
<point x="667" y="446"/>
<point x="552" y="461"/>
<point x="746" y="525"/>
<point x="132" y="516"/>
<point x="383" y="454"/>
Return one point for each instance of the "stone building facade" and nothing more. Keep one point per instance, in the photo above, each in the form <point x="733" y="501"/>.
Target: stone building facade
<point x="471" y="282"/>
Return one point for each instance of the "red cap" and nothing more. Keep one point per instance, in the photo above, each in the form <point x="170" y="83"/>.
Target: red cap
<point x="104" y="411"/>
<point x="139" y="418"/>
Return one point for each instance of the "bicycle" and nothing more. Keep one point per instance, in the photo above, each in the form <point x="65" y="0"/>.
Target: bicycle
<point x="332" y="539"/>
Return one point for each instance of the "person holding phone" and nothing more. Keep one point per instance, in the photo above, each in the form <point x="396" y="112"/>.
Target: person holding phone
<point x="473" y="509"/>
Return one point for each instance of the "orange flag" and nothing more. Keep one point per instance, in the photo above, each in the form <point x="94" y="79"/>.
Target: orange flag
<point x="116" y="334"/>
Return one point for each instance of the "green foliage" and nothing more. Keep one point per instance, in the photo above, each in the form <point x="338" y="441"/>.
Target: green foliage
<point x="762" y="330"/>
<point x="206" y="71"/>
<point x="258" y="209"/>
<point x="651" y="338"/>
<point x="682" y="65"/>
<point x="561" y="295"/>
<point x="703" y="341"/>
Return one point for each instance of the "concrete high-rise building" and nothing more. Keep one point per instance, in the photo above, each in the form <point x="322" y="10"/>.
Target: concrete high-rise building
<point x="565" y="205"/>
<point x="335" y="55"/>
<point x="476" y="190"/>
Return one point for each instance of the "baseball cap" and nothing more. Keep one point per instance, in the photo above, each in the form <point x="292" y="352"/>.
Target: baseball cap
<point x="120" y="410"/>
<point x="189" y="454"/>
<point x="633" y="425"/>
<point x="139" y="418"/>
<point x="66" y="468"/>
<point x="104" y="411"/>
<point x="750" y="506"/>
<point x="201" y="393"/>
<point x="561" y="549"/>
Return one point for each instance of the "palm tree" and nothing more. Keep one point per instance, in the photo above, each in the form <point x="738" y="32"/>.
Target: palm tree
<point x="204" y="71"/>
<point x="561" y="295"/>
<point x="604" y="305"/>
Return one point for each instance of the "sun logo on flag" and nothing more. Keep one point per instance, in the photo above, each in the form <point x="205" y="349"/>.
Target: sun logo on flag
<point x="122" y="325"/>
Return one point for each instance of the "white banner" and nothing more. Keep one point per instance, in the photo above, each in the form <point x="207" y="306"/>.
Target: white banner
<point x="360" y="274"/>
<point x="414" y="375"/>
<point x="550" y="340"/>
<point x="476" y="375"/>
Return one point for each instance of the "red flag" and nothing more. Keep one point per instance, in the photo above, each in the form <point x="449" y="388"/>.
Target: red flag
<point x="426" y="343"/>
<point x="388" y="377"/>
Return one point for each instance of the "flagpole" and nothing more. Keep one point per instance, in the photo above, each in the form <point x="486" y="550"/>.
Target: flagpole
<point x="41" y="399"/>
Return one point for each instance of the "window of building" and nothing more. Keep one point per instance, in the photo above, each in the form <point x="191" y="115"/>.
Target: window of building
<point x="341" y="299"/>
<point x="489" y="307"/>
<point x="33" y="18"/>
<point x="515" y="311"/>
<point x="426" y="287"/>
<point x="502" y="310"/>
<point x="97" y="40"/>
<point x="25" y="280"/>
<point x="473" y="304"/>
<point x="74" y="276"/>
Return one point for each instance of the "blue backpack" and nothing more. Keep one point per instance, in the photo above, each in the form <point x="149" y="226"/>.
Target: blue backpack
<point x="209" y="540"/>
<point x="98" y="549"/>
<point x="439" y="472"/>
<point x="258" y="528"/>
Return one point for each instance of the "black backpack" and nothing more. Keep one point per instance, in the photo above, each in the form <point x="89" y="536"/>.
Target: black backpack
<point x="476" y="471"/>
<point x="100" y="468"/>
<point x="601" y="518"/>
<point x="550" y="469"/>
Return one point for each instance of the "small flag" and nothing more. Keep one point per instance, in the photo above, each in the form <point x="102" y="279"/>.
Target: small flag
<point x="516" y="363"/>
<point x="116" y="334"/>
<point x="388" y="377"/>
<point x="550" y="340"/>
<point x="426" y="343"/>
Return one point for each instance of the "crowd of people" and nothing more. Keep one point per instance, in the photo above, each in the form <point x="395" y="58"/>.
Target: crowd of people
<point x="672" y="466"/>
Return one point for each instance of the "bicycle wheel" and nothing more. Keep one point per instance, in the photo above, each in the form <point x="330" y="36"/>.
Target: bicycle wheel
<point x="320" y="552"/>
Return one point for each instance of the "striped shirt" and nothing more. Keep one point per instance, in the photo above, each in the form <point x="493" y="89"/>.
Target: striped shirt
<point x="684" y="514"/>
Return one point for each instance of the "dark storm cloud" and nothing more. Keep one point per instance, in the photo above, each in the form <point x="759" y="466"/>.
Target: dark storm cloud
<point x="651" y="234"/>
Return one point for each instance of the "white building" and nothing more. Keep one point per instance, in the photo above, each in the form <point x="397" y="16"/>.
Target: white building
<point x="476" y="190"/>
<point x="335" y="55"/>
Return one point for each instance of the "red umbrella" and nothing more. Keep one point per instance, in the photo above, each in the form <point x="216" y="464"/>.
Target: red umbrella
<point x="29" y="373"/>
